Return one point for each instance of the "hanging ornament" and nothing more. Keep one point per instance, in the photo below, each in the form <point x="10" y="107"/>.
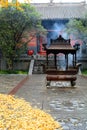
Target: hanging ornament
<point x="30" y="52"/>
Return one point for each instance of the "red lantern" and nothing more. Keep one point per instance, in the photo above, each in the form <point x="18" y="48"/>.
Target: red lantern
<point x="30" y="52"/>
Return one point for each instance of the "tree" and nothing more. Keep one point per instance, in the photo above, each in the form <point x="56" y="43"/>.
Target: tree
<point x="14" y="24"/>
<point x="78" y="27"/>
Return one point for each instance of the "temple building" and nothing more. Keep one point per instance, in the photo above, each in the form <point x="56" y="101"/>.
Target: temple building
<point x="54" y="18"/>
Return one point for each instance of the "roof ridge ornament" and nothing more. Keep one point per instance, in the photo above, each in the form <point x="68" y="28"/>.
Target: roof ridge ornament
<point x="51" y="1"/>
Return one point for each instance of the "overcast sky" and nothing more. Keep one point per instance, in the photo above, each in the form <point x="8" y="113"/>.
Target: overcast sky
<point x="46" y="1"/>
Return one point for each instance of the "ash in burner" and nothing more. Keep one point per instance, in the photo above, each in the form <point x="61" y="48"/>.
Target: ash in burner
<point x="59" y="84"/>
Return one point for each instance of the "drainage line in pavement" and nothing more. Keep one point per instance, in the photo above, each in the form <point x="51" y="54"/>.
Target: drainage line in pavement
<point x="19" y="85"/>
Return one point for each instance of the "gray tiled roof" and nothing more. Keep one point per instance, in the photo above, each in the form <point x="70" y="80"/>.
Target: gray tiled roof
<point x="61" y="11"/>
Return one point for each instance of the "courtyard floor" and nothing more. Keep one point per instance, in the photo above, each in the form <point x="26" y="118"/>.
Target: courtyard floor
<point x="67" y="105"/>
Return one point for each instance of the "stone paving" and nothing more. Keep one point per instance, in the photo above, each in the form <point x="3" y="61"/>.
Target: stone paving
<point x="67" y="105"/>
<point x="9" y="81"/>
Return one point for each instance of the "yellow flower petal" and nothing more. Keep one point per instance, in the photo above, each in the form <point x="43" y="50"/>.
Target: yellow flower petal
<point x="17" y="114"/>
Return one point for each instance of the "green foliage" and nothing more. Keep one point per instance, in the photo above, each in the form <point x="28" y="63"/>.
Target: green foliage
<point x="13" y="23"/>
<point x="84" y="72"/>
<point x="78" y="27"/>
<point x="75" y="24"/>
<point x="13" y="72"/>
